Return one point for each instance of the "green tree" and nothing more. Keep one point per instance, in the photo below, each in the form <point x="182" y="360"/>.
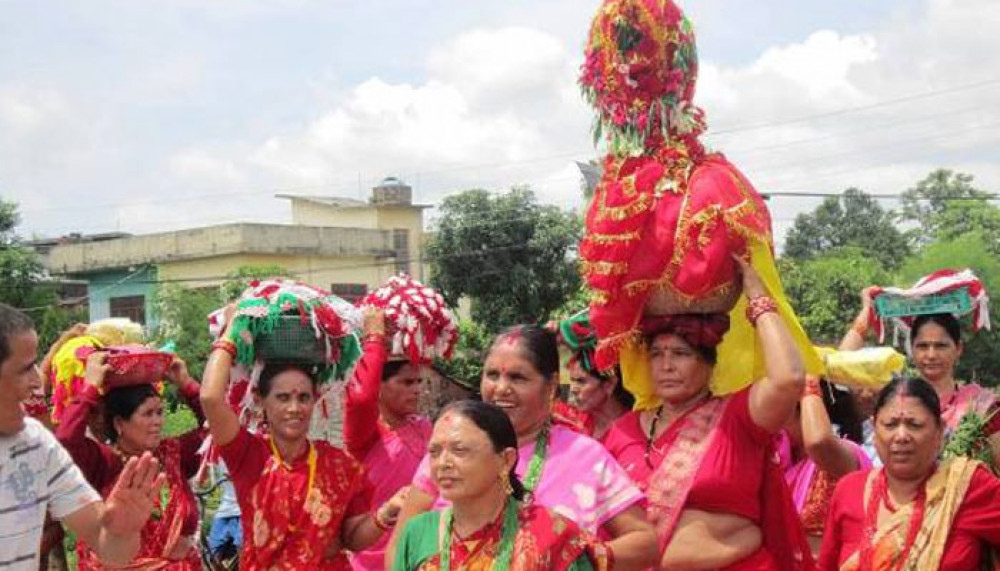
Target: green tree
<point x="853" y="219"/>
<point x="945" y="205"/>
<point x="22" y="276"/>
<point x="510" y="255"/>
<point x="825" y="291"/>
<point x="466" y="365"/>
<point x="979" y="361"/>
<point x="183" y="320"/>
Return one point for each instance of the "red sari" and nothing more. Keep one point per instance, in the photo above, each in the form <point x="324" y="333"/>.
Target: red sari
<point x="573" y="418"/>
<point x="627" y="442"/>
<point x="292" y="513"/>
<point x="545" y="541"/>
<point x="176" y="521"/>
<point x="962" y="507"/>
<point x="716" y="459"/>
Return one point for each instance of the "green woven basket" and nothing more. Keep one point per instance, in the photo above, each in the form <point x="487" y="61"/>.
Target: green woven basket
<point x="290" y="341"/>
<point x="957" y="302"/>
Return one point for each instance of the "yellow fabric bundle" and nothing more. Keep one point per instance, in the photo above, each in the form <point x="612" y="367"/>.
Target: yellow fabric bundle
<point x="116" y="331"/>
<point x="65" y="365"/>
<point x="869" y="368"/>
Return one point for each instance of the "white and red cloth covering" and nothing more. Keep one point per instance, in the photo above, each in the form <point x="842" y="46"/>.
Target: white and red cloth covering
<point x="334" y="321"/>
<point x="941" y="281"/>
<point x="421" y="327"/>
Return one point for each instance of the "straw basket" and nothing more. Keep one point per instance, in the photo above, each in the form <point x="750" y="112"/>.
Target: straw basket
<point x="666" y="301"/>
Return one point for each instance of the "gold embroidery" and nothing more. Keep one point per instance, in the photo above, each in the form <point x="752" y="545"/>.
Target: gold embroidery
<point x="604" y="268"/>
<point x="613" y="238"/>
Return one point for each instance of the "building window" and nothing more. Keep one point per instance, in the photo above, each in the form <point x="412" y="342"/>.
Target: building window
<point x="349" y="292"/>
<point x="401" y="244"/>
<point x="131" y="306"/>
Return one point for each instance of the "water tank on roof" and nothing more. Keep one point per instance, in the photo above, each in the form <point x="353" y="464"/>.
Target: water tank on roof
<point x="392" y="191"/>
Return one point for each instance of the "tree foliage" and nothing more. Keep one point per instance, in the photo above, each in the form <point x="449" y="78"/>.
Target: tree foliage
<point x="22" y="276"/>
<point x="946" y="205"/>
<point x="853" y="219"/>
<point x="507" y="253"/>
<point x="825" y="291"/>
<point x="466" y="365"/>
<point x="25" y="284"/>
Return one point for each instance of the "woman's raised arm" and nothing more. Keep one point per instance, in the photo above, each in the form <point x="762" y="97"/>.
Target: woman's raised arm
<point x="223" y="422"/>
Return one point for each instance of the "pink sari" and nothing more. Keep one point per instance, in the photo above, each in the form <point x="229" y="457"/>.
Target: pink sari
<point x="580" y="480"/>
<point x="391" y="463"/>
<point x="968" y="398"/>
<point x="812" y="488"/>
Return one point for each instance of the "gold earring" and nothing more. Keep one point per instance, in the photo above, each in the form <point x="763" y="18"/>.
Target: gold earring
<point x="505" y="484"/>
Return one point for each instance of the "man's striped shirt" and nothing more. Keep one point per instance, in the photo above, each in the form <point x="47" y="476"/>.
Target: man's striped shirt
<point x="36" y="474"/>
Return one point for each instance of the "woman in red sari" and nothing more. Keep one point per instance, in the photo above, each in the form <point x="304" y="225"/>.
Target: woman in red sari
<point x="473" y="453"/>
<point x="716" y="493"/>
<point x="300" y="501"/>
<point x="384" y="392"/>
<point x="916" y="512"/>
<point x="134" y="425"/>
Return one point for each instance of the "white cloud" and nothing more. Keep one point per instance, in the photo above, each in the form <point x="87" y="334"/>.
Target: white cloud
<point x="492" y="99"/>
<point x="203" y="168"/>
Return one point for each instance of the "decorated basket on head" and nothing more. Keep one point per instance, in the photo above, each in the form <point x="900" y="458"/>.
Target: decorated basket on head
<point x="421" y="328"/>
<point x="667" y="214"/>
<point x="958" y="293"/>
<point x="120" y="337"/>
<point x="283" y="321"/>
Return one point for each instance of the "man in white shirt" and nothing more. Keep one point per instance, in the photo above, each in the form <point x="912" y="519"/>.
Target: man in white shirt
<point x="37" y="474"/>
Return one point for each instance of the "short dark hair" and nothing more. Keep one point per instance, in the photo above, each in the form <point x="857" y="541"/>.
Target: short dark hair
<point x="122" y="402"/>
<point x="272" y="370"/>
<point x="947" y="321"/>
<point x="497" y="426"/>
<point x="540" y="346"/>
<point x="13" y="322"/>
<point x="911" y="387"/>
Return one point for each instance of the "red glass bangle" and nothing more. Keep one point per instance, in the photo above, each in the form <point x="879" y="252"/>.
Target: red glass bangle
<point x="758" y="306"/>
<point x="812" y="390"/>
<point x="225" y="345"/>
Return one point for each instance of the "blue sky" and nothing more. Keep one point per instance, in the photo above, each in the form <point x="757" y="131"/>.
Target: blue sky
<point x="144" y="116"/>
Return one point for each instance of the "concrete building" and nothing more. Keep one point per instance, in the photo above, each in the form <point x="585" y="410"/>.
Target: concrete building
<point x="343" y="245"/>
